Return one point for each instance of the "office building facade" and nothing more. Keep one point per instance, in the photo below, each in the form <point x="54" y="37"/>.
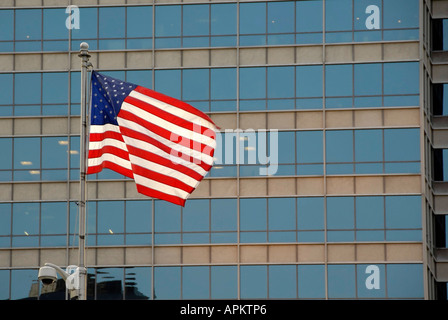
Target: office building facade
<point x="329" y="174"/>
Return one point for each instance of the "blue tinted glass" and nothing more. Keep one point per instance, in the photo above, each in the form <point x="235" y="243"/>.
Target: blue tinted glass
<point x="111" y="22"/>
<point x="309" y="81"/>
<point x="371" y="280"/>
<point x="55" y="87"/>
<point x="138" y="283"/>
<point x="168" y="82"/>
<point x="167" y="283"/>
<point x="364" y="18"/>
<point x="401" y="78"/>
<point x="282" y="213"/>
<point x="6" y="85"/>
<point x="195" y="84"/>
<point x="280" y="17"/>
<point x="5" y="219"/>
<point x="138" y="216"/>
<point x="167" y="217"/>
<point x="6" y="159"/>
<point x="4" y="289"/>
<point x="26" y="153"/>
<point x="53" y="218"/>
<point x="341" y="281"/>
<point x="309" y="16"/>
<point x="54" y="24"/>
<point x="402" y="144"/>
<point x="280" y="82"/>
<point x="223" y="83"/>
<point x="25" y="219"/>
<point x="89" y="25"/>
<point x="309" y="147"/>
<point x="139" y="21"/>
<point x="396" y="17"/>
<point x="195" y="215"/>
<point x="27" y="88"/>
<point x="368" y="79"/>
<point x="223" y="19"/>
<point x="339" y="15"/>
<point x="369" y="212"/>
<point x="54" y="152"/>
<point x="195" y="282"/>
<point x="340" y="213"/>
<point x="168" y="21"/>
<point x="110" y="217"/>
<point x="142" y="77"/>
<point x="253" y="282"/>
<point x="311" y="281"/>
<point x="28" y="24"/>
<point x="252" y="18"/>
<point x="282" y="281"/>
<point x="6" y="24"/>
<point x="403" y="212"/>
<point x="21" y="282"/>
<point x="310" y="213"/>
<point x="224" y="282"/>
<point x="339" y="80"/>
<point x="339" y="146"/>
<point x="286" y="154"/>
<point x="196" y="20"/>
<point x="105" y="276"/>
<point x="368" y="145"/>
<point x="405" y="281"/>
<point x="253" y="214"/>
<point x="252" y="83"/>
<point x="223" y="214"/>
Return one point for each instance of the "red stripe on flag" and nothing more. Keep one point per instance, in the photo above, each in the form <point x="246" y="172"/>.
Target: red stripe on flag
<point x="160" y="195"/>
<point x="112" y="166"/>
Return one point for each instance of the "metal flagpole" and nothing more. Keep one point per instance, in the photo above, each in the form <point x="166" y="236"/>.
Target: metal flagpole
<point x="85" y="64"/>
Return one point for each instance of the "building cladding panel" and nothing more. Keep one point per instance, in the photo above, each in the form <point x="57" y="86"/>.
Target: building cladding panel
<point x="331" y="99"/>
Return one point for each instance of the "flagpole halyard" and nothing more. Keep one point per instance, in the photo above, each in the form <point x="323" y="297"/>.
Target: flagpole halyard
<point x="85" y="64"/>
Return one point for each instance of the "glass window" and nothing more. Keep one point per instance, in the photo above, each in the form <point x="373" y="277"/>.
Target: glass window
<point x="401" y="144"/>
<point x="195" y="215"/>
<point x="28" y="24"/>
<point x="25" y="219"/>
<point x="310" y="213"/>
<point x="401" y="78"/>
<point x="21" y="282"/>
<point x="27" y="88"/>
<point x="282" y="281"/>
<point x="339" y="146"/>
<point x="110" y="217"/>
<point x="309" y="81"/>
<point x="309" y="147"/>
<point x="282" y="213"/>
<point x="311" y="281"/>
<point x="26" y="153"/>
<point x="252" y="18"/>
<point x="142" y="77"/>
<point x="369" y="275"/>
<point x="138" y="216"/>
<point x="339" y="80"/>
<point x="223" y="19"/>
<point x="195" y="282"/>
<point x="5" y="219"/>
<point x="7" y="88"/>
<point x="403" y="212"/>
<point x="54" y="24"/>
<point x="6" y="147"/>
<point x="224" y="282"/>
<point x="253" y="214"/>
<point x="368" y="79"/>
<point x="341" y="281"/>
<point x="168" y="21"/>
<point x="368" y="145"/>
<point x="111" y="22"/>
<point x="6" y="24"/>
<point x="405" y="281"/>
<point x="53" y="218"/>
<point x="280" y="17"/>
<point x="4" y="289"/>
<point x="369" y="212"/>
<point x="167" y="217"/>
<point x="309" y="18"/>
<point x="196" y="20"/>
<point x="139" y="22"/>
<point x="195" y="84"/>
<point x="253" y="83"/>
<point x="168" y="82"/>
<point x="222" y="83"/>
<point x="280" y="82"/>
<point x="254" y="282"/>
<point x="54" y="152"/>
<point x="167" y="283"/>
<point x="340" y="213"/>
<point x="396" y="17"/>
<point x="339" y="15"/>
<point x="137" y="283"/>
<point x="88" y="28"/>
<point x="223" y="219"/>
<point x="109" y="283"/>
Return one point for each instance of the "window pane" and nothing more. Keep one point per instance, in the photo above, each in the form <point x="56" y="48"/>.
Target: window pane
<point x="280" y="82"/>
<point x="310" y="213"/>
<point x="223" y="19"/>
<point x="111" y="22"/>
<point x="309" y="81"/>
<point x="25" y="219"/>
<point x="366" y="278"/>
<point x="54" y="218"/>
<point x="27" y="88"/>
<point x="168" y="82"/>
<point x="282" y="282"/>
<point x="309" y="147"/>
<point x="224" y="282"/>
<point x="138" y="216"/>
<point x="403" y="212"/>
<point x="195" y="215"/>
<point x="405" y="281"/>
<point x="369" y="212"/>
<point x="402" y="144"/>
<point x="309" y="16"/>
<point x="88" y="28"/>
<point x="26" y="153"/>
<point x="341" y="281"/>
<point x="340" y="213"/>
<point x="6" y="24"/>
<point x="280" y="17"/>
<point x="167" y="217"/>
<point x="253" y="214"/>
<point x="223" y="83"/>
<point x="195" y="84"/>
<point x="21" y="282"/>
<point x="54" y="152"/>
<point x="139" y="21"/>
<point x="282" y="213"/>
<point x="6" y="159"/>
<point x="339" y="80"/>
<point x="401" y="78"/>
<point x="7" y="88"/>
<point x="339" y="146"/>
<point x="54" y="24"/>
<point x="195" y="282"/>
<point x="368" y="79"/>
<point x="311" y="280"/>
<point x="252" y="83"/>
<point x="223" y="214"/>
<point x="368" y="145"/>
<point x="396" y="17"/>
<point x="196" y="20"/>
<point x="167" y="21"/>
<point x="253" y="282"/>
<point x="340" y="17"/>
<point x="110" y="217"/>
<point x="29" y="24"/>
<point x="137" y="283"/>
<point x="252" y="18"/>
<point x="109" y="283"/>
<point x="167" y="283"/>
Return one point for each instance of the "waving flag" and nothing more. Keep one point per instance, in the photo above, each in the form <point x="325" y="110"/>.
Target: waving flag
<point x="162" y="143"/>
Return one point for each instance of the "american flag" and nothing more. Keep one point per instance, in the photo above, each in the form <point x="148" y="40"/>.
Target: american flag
<point x="164" y="144"/>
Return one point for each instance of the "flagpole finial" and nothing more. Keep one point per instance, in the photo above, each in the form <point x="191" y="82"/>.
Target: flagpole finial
<point x="84" y="51"/>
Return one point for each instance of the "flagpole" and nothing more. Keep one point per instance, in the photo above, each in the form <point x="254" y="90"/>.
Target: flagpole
<point x="85" y="64"/>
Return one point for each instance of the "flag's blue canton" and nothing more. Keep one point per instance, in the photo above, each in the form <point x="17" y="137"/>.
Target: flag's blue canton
<point x="107" y="96"/>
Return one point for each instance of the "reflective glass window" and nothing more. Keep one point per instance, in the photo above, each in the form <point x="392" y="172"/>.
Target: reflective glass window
<point x="54" y="24"/>
<point x="27" y="88"/>
<point x="369" y="212"/>
<point x="340" y="213"/>
<point x="282" y="281"/>
<point x="4" y="289"/>
<point x="6" y="147"/>
<point x="110" y="222"/>
<point x="368" y="79"/>
<point x="222" y="83"/>
<point x="6" y="25"/>
<point x="109" y="284"/>
<point x="139" y="22"/>
<point x="403" y="212"/>
<point x="309" y="81"/>
<point x="280" y="82"/>
<point x="137" y="283"/>
<point x="405" y="281"/>
<point x="88" y="28"/>
<point x="196" y="20"/>
<point x="311" y="281"/>
<point x="53" y="218"/>
<point x="396" y="18"/>
<point x="21" y="282"/>
<point x="341" y="281"/>
<point x="195" y="216"/>
<point x="365" y="281"/>
<point x="138" y="216"/>
<point x="253" y="282"/>
<point x="339" y="15"/>
<point x="5" y="219"/>
<point x="25" y="222"/>
<point x="167" y="283"/>
<point x="195" y="84"/>
<point x="252" y="83"/>
<point x="223" y="19"/>
<point x="6" y="94"/>
<point x="309" y="21"/>
<point x="54" y="152"/>
<point x="168" y="21"/>
<point x="282" y="213"/>
<point x="195" y="282"/>
<point x="28" y="29"/>
<point x="252" y="18"/>
<point x="168" y="82"/>
<point x="224" y="282"/>
<point x="401" y="78"/>
<point x="339" y="80"/>
<point x="402" y="144"/>
<point x="339" y="146"/>
<point x="111" y="22"/>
